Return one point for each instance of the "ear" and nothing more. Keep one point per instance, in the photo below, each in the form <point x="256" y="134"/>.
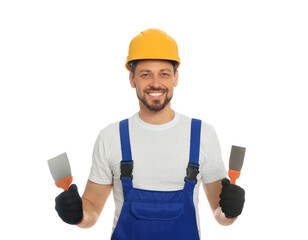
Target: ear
<point x="131" y="80"/>
<point x="176" y="76"/>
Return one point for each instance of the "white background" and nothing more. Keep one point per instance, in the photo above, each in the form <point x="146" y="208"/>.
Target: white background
<point x="244" y="68"/>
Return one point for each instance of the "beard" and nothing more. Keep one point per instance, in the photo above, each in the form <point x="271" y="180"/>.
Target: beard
<point x="156" y="106"/>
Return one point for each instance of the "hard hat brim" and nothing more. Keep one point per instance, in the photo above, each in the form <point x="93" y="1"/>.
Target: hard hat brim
<point x="128" y="61"/>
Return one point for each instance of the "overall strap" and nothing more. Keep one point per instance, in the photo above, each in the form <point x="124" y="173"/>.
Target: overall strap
<point x="195" y="142"/>
<point x="193" y="164"/>
<point x="127" y="162"/>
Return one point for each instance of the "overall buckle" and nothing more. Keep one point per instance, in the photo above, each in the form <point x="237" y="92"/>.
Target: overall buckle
<point x="127" y="169"/>
<point x="192" y="171"/>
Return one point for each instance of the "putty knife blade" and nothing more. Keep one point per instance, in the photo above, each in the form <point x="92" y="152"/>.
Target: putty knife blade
<point x="237" y="158"/>
<point x="59" y="167"/>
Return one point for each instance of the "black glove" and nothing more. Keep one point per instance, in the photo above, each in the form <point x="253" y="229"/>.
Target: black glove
<point x="69" y="206"/>
<point x="232" y="199"/>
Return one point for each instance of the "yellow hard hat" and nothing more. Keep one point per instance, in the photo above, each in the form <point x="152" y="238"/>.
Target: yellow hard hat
<point x="152" y="44"/>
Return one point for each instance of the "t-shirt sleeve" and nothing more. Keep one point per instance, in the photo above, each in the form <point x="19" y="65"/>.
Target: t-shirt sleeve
<point x="101" y="172"/>
<point x="214" y="168"/>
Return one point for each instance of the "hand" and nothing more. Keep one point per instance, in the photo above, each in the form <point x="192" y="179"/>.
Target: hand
<point x="232" y="199"/>
<point x="69" y="206"/>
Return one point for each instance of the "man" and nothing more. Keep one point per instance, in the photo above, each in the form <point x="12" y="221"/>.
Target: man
<point x="156" y="160"/>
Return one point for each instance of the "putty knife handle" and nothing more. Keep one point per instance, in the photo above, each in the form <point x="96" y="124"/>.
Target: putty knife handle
<point x="233" y="175"/>
<point x="64" y="183"/>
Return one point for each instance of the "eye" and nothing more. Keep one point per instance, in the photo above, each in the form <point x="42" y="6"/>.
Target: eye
<point x="145" y="75"/>
<point x="165" y="74"/>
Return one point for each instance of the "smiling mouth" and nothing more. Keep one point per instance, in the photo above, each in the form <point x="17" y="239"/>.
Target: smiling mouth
<point x="155" y="94"/>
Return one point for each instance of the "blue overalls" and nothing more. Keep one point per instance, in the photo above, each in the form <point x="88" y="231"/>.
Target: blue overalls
<point x="158" y="215"/>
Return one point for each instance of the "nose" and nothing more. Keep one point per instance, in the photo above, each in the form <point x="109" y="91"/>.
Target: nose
<point x="155" y="82"/>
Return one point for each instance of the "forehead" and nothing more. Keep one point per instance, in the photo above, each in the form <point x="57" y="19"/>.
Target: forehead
<point x="153" y="64"/>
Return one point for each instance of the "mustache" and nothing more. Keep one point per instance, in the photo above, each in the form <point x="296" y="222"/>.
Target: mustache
<point x="155" y="89"/>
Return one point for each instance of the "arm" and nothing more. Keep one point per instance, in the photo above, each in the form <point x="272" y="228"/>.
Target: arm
<point x="93" y="201"/>
<point x="212" y="192"/>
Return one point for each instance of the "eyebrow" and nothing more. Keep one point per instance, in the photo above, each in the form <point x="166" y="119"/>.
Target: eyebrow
<point x="144" y="70"/>
<point x="165" y="70"/>
<point x="161" y="70"/>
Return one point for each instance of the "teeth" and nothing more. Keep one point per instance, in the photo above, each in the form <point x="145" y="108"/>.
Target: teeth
<point x="155" y="94"/>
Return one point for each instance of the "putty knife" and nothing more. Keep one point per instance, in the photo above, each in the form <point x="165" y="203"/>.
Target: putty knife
<point x="236" y="162"/>
<point x="61" y="171"/>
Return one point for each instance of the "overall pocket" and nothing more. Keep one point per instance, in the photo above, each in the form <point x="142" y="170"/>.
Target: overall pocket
<point x="157" y="211"/>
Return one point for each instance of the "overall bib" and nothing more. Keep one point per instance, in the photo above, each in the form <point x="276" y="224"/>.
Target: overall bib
<point x="158" y="215"/>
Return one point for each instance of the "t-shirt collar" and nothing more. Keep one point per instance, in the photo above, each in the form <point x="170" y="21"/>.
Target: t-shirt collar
<point x="160" y="127"/>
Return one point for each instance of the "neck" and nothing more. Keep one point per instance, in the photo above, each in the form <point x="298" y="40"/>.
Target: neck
<point x="156" y="118"/>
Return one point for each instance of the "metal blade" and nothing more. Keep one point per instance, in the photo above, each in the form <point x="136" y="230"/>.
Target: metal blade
<point x="59" y="167"/>
<point x="236" y="158"/>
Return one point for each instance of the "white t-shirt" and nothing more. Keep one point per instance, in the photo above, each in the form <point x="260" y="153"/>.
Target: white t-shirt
<point x="160" y="154"/>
